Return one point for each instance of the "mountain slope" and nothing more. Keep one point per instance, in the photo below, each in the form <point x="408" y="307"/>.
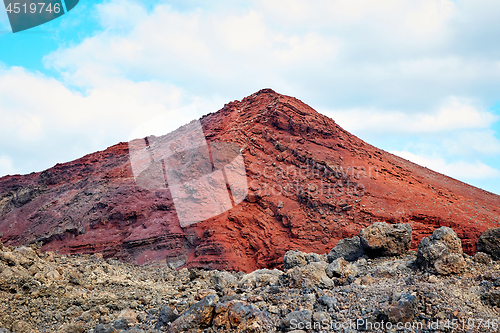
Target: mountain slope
<point x="310" y="183"/>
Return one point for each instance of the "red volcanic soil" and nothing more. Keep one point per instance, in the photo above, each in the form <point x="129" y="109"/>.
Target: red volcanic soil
<point x="310" y="182"/>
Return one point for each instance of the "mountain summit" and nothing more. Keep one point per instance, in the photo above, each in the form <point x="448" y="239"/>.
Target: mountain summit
<point x="309" y="183"/>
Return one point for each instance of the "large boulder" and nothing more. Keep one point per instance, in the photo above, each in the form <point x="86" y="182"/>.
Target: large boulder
<point x="405" y="309"/>
<point x="449" y="237"/>
<point x="347" y="248"/>
<point x="296" y="258"/>
<point x="340" y="268"/>
<point x="197" y="316"/>
<point x="260" y="278"/>
<point x="326" y="303"/>
<point x="310" y="276"/>
<point x="489" y="242"/>
<point x="441" y="252"/>
<point x="491" y="298"/>
<point x="242" y="317"/>
<point x="297" y="319"/>
<point x="223" y="279"/>
<point x="166" y="316"/>
<point x="382" y="239"/>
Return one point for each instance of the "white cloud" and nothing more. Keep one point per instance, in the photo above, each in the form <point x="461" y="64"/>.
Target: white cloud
<point x="403" y="18"/>
<point x="429" y="16"/>
<point x="211" y="49"/>
<point x="37" y="111"/>
<point x="6" y="167"/>
<point x="473" y="143"/>
<point x="346" y="53"/>
<point x="453" y="114"/>
<point x="121" y="14"/>
<point x="52" y="104"/>
<point x="244" y="32"/>
<point x="462" y="170"/>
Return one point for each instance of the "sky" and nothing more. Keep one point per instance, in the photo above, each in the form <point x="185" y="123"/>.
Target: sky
<point x="417" y="78"/>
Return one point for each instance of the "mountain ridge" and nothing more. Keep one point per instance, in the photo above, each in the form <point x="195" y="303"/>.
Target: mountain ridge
<point x="310" y="183"/>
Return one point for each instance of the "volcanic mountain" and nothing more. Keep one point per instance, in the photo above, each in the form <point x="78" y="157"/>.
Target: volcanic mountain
<point x="310" y="183"/>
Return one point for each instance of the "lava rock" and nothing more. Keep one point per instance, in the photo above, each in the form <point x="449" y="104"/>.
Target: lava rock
<point x="100" y="328"/>
<point x="450" y="264"/>
<point x="382" y="239"/>
<point x="482" y="258"/>
<point x="223" y="279"/>
<point x="166" y="316"/>
<point x="296" y="258"/>
<point x="326" y="302"/>
<point x="405" y="310"/>
<point x="341" y="268"/>
<point x="241" y="316"/>
<point x="310" y="276"/>
<point x="491" y="298"/>
<point x="441" y="253"/>
<point x="260" y="278"/>
<point x="296" y="319"/>
<point x="489" y="242"/>
<point x="197" y="316"/>
<point x="449" y="237"/>
<point x="120" y="324"/>
<point x="347" y="248"/>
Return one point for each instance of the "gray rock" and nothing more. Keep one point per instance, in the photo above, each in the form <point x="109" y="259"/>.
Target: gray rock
<point x="382" y="239"/>
<point x="223" y="279"/>
<point x="450" y="264"/>
<point x="341" y="268"/>
<point x="297" y="319"/>
<point x="166" y="316"/>
<point x="242" y="317"/>
<point x="441" y="253"/>
<point x="100" y="328"/>
<point x="321" y="319"/>
<point x="489" y="242"/>
<point x="449" y="237"/>
<point x="328" y="302"/>
<point x="482" y="258"/>
<point x="347" y="248"/>
<point x="296" y="258"/>
<point x="311" y="276"/>
<point x="197" y="316"/>
<point x="429" y="251"/>
<point x="491" y="298"/>
<point x="120" y="324"/>
<point x="362" y="266"/>
<point x="260" y="278"/>
<point x="405" y="310"/>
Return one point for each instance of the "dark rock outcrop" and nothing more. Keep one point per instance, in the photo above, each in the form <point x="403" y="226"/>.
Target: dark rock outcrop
<point x="441" y="252"/>
<point x="489" y="242"/>
<point x="404" y="309"/>
<point x="382" y="239"/>
<point x="347" y="248"/>
<point x="166" y="316"/>
<point x="296" y="258"/>
<point x="200" y="315"/>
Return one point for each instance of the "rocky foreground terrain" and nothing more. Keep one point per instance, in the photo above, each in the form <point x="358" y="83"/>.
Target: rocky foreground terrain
<point x="371" y="282"/>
